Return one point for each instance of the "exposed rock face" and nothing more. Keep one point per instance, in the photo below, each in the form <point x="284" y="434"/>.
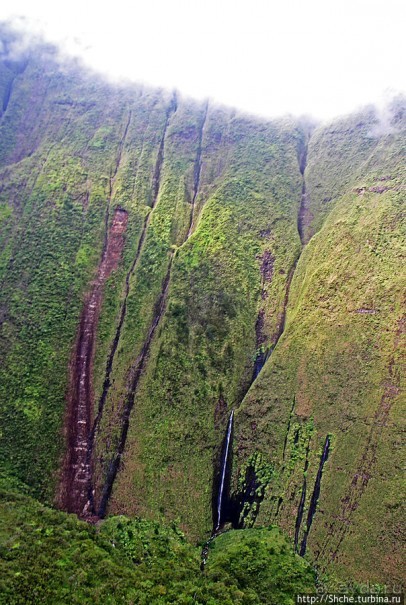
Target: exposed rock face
<point x="76" y="474"/>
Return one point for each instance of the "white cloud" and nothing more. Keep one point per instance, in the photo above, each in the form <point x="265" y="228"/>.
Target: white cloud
<point x="263" y="56"/>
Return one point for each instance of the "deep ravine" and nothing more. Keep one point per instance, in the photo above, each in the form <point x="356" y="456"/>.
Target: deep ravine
<point x="136" y="373"/>
<point x="172" y="107"/>
<point x="222" y="515"/>
<point x="139" y="365"/>
<point x="265" y="354"/>
<point x="315" y="496"/>
<point x="197" y="171"/>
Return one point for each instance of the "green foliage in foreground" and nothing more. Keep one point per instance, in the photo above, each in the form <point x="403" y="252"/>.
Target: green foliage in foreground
<point x="263" y="565"/>
<point x="50" y="557"/>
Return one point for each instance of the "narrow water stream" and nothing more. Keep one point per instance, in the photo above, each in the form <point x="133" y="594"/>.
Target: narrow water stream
<point x="222" y="499"/>
<point x="225" y="468"/>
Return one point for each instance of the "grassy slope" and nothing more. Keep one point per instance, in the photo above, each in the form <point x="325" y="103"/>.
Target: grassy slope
<point x="51" y="557"/>
<point x="59" y="140"/>
<point x="168" y="223"/>
<point x="339" y="361"/>
<point x="202" y="359"/>
<point x="59" y="145"/>
<point x="54" y="194"/>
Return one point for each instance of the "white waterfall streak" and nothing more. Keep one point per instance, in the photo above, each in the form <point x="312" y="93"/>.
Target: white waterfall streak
<point x="224" y="469"/>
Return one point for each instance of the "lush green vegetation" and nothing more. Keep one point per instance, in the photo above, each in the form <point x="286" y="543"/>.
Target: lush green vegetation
<point x="49" y="557"/>
<point x="54" y="198"/>
<point x="205" y="348"/>
<point x="72" y="148"/>
<point x="339" y="360"/>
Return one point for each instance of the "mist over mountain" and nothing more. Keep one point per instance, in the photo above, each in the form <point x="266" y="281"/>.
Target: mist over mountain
<point x="201" y="329"/>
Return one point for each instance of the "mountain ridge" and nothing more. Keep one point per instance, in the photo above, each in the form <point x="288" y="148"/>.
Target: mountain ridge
<point x="300" y="334"/>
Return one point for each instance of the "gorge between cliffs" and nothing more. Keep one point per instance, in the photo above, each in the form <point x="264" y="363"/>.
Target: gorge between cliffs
<point x="201" y="320"/>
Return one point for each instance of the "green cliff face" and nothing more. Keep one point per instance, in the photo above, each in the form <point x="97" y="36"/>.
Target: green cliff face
<point x="336" y="370"/>
<point x="155" y="253"/>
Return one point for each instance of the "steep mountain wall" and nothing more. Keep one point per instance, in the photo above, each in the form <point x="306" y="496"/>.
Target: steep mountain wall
<point x="210" y="199"/>
<point x="337" y="369"/>
<point x="164" y="261"/>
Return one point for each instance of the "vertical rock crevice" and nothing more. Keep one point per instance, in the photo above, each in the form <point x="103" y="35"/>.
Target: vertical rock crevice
<point x="300" y="509"/>
<point x="172" y="108"/>
<point x="285" y="443"/>
<point x="17" y="68"/>
<point x="197" y="171"/>
<point x="263" y="350"/>
<point x="267" y="264"/>
<point x="315" y="496"/>
<point x="160" y="306"/>
<point x="266" y="351"/>
<point x="7" y="94"/>
<point x="304" y="215"/>
<point x="240" y="500"/>
<point x="136" y="374"/>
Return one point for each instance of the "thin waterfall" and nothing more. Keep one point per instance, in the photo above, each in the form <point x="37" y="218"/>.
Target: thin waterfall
<point x="224" y="471"/>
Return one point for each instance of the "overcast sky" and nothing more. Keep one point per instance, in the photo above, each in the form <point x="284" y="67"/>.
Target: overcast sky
<point x="323" y="57"/>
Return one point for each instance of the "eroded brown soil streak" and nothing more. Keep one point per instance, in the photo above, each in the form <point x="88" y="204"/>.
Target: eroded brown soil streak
<point x="76" y="472"/>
